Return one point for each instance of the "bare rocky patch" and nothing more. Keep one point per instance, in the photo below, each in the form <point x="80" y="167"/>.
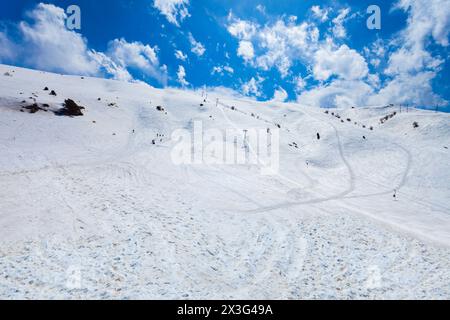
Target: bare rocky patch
<point x="71" y="109"/>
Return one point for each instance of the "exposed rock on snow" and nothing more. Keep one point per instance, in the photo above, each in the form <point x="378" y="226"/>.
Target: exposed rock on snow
<point x="71" y="109"/>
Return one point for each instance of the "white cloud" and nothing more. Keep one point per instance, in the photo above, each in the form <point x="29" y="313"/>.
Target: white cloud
<point x="413" y="60"/>
<point x="409" y="89"/>
<point x="228" y="69"/>
<point x="261" y="8"/>
<point x="253" y="87"/>
<point x="109" y="67"/>
<point x="180" y="55"/>
<point x="321" y="14"/>
<point x="175" y="11"/>
<point x="339" y="93"/>
<point x="427" y="20"/>
<point x="411" y="67"/>
<point x="241" y="29"/>
<point x="343" y="72"/>
<point x="217" y="69"/>
<point x="181" y="76"/>
<point x="225" y="92"/>
<point x="222" y="69"/>
<point x="339" y="29"/>
<point x="344" y="62"/>
<point x="246" y="50"/>
<point x="7" y="48"/>
<point x="376" y="53"/>
<point x="274" y="45"/>
<point x="138" y="56"/>
<point x="280" y="95"/>
<point x="403" y="89"/>
<point x="46" y="44"/>
<point x="51" y="45"/>
<point x="375" y="62"/>
<point x="299" y="83"/>
<point x="196" y="47"/>
<point x="374" y="80"/>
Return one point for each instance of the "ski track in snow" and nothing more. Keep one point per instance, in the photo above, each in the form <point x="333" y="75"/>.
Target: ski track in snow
<point x="124" y="223"/>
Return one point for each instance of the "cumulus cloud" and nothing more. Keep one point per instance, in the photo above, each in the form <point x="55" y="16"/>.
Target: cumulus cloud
<point x="403" y="89"/>
<point x="282" y="43"/>
<point x="246" y="50"/>
<point x="7" y="48"/>
<point x="225" y="92"/>
<point x="107" y="66"/>
<point x="241" y="29"/>
<point x="137" y="56"/>
<point x="344" y="63"/>
<point x="321" y="14"/>
<point x="253" y="87"/>
<point x="46" y="44"/>
<point x="222" y="69"/>
<point x="411" y="60"/>
<point x="428" y="20"/>
<point x="53" y="47"/>
<point x="376" y="53"/>
<point x="339" y="30"/>
<point x="299" y="84"/>
<point x="411" y="66"/>
<point x="196" y="47"/>
<point x="339" y="93"/>
<point x="175" y="11"/>
<point x="275" y="45"/>
<point x="181" y="76"/>
<point x="409" y="89"/>
<point x="228" y="69"/>
<point x="180" y="55"/>
<point x="280" y="95"/>
<point x="409" y="70"/>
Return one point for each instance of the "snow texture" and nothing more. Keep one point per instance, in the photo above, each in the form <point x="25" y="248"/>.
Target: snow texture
<point x="90" y="208"/>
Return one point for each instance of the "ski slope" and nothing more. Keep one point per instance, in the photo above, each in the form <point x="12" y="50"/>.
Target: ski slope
<point x="91" y="208"/>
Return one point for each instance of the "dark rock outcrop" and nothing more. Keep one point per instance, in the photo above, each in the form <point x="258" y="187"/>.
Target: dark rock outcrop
<point x="71" y="109"/>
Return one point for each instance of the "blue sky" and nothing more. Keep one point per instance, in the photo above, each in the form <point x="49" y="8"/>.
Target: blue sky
<point x="318" y="53"/>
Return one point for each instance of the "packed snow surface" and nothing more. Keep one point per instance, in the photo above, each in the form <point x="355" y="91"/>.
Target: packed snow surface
<point x="95" y="207"/>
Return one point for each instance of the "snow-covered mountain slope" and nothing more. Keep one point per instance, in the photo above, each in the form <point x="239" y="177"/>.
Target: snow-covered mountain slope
<point x="95" y="207"/>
